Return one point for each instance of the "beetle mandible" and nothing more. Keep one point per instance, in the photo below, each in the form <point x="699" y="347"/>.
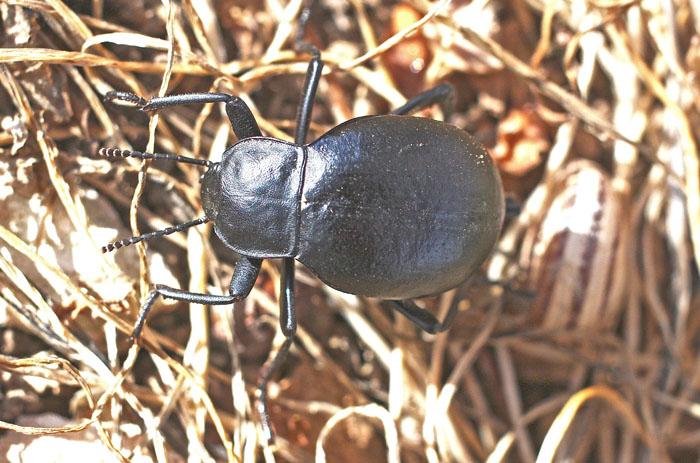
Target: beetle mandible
<point x="394" y="207"/>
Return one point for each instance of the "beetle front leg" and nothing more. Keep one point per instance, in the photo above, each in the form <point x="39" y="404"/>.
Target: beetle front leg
<point x="242" y="282"/>
<point x="242" y="120"/>
<point x="288" y="325"/>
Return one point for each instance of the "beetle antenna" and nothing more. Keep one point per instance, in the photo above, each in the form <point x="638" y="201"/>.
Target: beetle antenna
<point x="146" y="236"/>
<point x="116" y="152"/>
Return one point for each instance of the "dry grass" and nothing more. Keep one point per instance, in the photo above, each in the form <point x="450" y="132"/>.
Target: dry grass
<point x="588" y="353"/>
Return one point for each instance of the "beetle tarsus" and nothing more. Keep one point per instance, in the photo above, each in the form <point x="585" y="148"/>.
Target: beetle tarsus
<point x="127" y="97"/>
<point x="143" y="313"/>
<point x="302" y="46"/>
<point x="266" y="372"/>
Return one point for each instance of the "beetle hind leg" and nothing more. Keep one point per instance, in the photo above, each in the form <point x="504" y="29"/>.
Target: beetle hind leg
<point x="424" y="319"/>
<point x="441" y="94"/>
<point x="427" y="321"/>
<point x="420" y="317"/>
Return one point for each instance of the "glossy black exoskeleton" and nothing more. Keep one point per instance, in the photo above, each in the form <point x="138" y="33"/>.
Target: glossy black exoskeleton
<point x="393" y="207"/>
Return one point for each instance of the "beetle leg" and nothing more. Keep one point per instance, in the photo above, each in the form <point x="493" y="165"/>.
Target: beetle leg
<point x="244" y="275"/>
<point x="240" y="116"/>
<point x="301" y="45"/>
<point x="242" y="282"/>
<point x="313" y="75"/>
<point x="288" y="321"/>
<point x="288" y="324"/>
<point x="441" y="94"/>
<point x="513" y="207"/>
<point x="267" y="371"/>
<point x="424" y="319"/>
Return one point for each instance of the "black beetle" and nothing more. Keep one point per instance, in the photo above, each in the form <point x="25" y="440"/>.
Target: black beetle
<point x="393" y="207"/>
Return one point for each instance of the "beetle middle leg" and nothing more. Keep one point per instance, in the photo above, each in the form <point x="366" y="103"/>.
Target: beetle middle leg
<point x="288" y="323"/>
<point x="242" y="282"/>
